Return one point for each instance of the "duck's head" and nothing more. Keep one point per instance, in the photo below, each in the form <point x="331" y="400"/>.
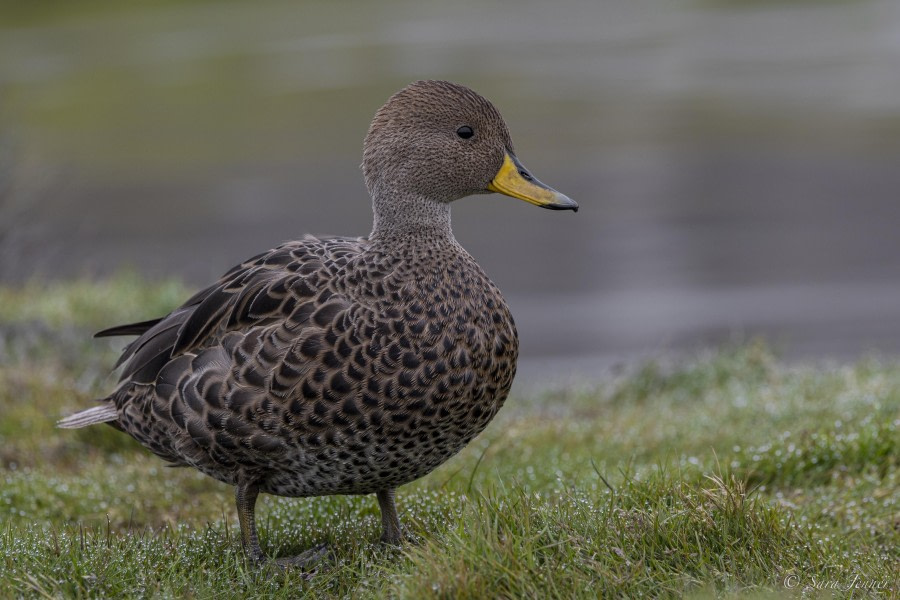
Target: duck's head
<point x="441" y="141"/>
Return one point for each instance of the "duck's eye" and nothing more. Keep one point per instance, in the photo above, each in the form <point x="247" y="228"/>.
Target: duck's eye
<point x="465" y="132"/>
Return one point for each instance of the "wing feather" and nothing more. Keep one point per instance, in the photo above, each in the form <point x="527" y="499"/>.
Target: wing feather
<point x="129" y="329"/>
<point x="267" y="288"/>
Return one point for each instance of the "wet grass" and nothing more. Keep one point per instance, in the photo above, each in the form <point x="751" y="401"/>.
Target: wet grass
<point x="728" y="474"/>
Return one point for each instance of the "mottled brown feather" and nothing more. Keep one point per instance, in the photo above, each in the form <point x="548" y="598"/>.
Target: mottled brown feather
<point x="340" y="365"/>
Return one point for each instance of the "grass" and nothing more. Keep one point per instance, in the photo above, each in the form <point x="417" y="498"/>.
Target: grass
<point x="726" y="475"/>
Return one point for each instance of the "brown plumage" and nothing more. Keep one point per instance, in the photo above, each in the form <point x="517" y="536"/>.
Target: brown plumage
<point x="342" y="365"/>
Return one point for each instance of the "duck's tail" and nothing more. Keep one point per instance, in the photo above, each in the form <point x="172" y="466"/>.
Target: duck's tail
<point x="99" y="414"/>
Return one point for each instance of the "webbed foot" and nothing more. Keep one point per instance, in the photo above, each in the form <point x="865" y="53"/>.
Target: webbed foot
<point x="305" y="559"/>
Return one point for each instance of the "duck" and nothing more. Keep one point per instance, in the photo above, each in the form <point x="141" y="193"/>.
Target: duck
<point x="342" y="365"/>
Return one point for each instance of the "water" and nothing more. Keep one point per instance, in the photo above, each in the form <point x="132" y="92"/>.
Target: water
<point x="736" y="163"/>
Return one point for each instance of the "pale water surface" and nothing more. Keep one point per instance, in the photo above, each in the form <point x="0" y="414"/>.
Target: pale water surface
<point x="737" y="163"/>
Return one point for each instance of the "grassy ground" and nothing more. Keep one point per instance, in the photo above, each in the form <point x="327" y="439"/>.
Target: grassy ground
<point x="726" y="475"/>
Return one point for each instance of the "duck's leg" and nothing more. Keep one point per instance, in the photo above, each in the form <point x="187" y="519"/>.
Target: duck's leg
<point x="245" y="495"/>
<point x="391" y="533"/>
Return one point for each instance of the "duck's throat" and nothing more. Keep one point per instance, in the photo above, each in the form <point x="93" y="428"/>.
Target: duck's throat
<point x="405" y="214"/>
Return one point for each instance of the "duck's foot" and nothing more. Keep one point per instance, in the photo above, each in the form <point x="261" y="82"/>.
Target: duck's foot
<point x="305" y="559"/>
<point x="395" y="538"/>
<point x="306" y="565"/>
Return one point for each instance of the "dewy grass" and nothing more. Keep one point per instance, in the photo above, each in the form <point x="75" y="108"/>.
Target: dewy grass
<point x="726" y="475"/>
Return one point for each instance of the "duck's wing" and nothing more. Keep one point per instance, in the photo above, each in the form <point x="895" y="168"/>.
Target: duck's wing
<point x="262" y="290"/>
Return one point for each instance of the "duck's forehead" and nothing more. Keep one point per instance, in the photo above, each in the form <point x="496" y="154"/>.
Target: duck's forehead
<point x="427" y="106"/>
<point x="440" y="100"/>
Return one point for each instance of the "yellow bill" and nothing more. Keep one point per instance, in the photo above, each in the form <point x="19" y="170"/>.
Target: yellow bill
<point x="514" y="180"/>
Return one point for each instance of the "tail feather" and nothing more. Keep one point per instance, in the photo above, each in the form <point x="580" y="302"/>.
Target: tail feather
<point x="99" y="414"/>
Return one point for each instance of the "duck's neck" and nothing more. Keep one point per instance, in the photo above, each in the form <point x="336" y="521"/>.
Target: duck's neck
<point x="406" y="215"/>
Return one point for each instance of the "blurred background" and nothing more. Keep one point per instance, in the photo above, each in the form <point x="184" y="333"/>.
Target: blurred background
<point x="737" y="162"/>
